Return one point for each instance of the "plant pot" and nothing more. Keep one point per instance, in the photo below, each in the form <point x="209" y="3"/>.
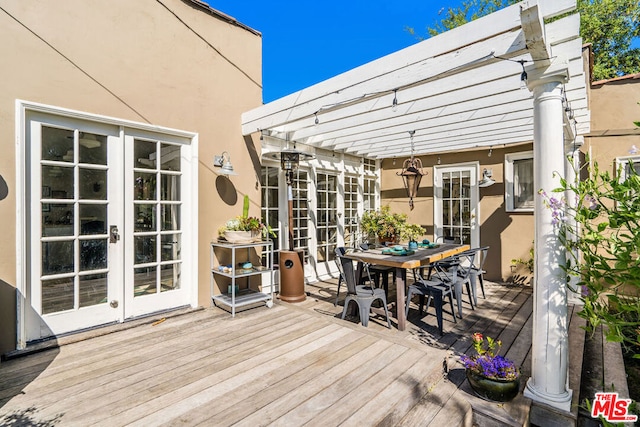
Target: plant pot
<point x="494" y="390"/>
<point x="387" y="241"/>
<point x="241" y="236"/>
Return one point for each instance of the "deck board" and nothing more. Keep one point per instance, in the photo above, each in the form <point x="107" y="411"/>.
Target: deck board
<point x="292" y="364"/>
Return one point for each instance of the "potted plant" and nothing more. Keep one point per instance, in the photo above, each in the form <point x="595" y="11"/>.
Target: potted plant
<point x="491" y="376"/>
<point x="245" y="228"/>
<point x="411" y="233"/>
<point x="385" y="225"/>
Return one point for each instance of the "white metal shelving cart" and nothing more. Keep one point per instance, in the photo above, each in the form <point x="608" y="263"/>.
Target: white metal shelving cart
<point x="241" y="253"/>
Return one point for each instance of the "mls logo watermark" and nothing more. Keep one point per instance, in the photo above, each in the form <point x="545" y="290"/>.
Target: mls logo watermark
<point x="612" y="408"/>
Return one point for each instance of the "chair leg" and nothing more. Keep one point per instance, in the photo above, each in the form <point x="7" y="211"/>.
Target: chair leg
<point x="338" y="292"/>
<point x="346" y="305"/>
<point x="406" y="308"/>
<point x="457" y="287"/>
<point x="386" y="312"/>
<point x="365" y="309"/>
<point x="471" y="295"/>
<point x="482" y="285"/>
<point x="455" y="319"/>
<point x="437" y="301"/>
<point x="421" y="306"/>
<point x="473" y="279"/>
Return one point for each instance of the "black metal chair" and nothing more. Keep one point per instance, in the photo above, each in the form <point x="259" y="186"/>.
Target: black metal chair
<point x="379" y="271"/>
<point x="436" y="289"/>
<point x="457" y="272"/>
<point x="363" y="296"/>
<point x="477" y="270"/>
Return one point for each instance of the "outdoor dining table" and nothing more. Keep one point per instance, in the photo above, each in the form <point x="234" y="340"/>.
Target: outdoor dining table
<point x="421" y="257"/>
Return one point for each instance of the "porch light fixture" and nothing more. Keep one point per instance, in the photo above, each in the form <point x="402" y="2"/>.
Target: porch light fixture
<point x="411" y="173"/>
<point x="224" y="161"/>
<point x="486" y="180"/>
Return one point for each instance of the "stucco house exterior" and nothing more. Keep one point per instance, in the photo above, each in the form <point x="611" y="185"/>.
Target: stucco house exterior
<point x="111" y="114"/>
<point x="111" y="197"/>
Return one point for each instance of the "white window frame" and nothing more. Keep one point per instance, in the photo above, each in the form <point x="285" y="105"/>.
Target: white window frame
<point x="509" y="198"/>
<point x="621" y="162"/>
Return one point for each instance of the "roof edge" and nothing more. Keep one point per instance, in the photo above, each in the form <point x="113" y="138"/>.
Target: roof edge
<point x="617" y="79"/>
<point x="230" y="19"/>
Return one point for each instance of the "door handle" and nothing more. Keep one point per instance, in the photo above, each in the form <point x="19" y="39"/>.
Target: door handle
<point x="114" y="235"/>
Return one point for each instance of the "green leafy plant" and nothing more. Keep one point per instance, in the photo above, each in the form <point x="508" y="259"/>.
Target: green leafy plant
<point x="527" y="263"/>
<point x="389" y="225"/>
<point x="246" y="223"/>
<point x="603" y="226"/>
<point x="412" y="232"/>
<point x="382" y="223"/>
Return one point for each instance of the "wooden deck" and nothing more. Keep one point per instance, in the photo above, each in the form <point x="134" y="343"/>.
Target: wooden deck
<point x="289" y="365"/>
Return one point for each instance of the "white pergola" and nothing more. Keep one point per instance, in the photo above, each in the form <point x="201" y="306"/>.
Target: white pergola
<point x="462" y="90"/>
<point x="459" y="90"/>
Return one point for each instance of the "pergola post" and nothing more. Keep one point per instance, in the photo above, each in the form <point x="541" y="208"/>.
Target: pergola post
<point x="549" y="380"/>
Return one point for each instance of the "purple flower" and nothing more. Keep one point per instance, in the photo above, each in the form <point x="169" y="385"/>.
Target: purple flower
<point x="486" y="362"/>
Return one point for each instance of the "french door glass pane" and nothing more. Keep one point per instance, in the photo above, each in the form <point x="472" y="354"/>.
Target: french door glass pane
<point x="144" y="281"/>
<point x="56" y="143"/>
<point x="93" y="184"/>
<point x="93" y="148"/>
<point x="93" y="289"/>
<point x="93" y="254"/>
<point x="93" y="219"/>
<point x="170" y="277"/>
<point x="57" y="257"/>
<point x="57" y="295"/>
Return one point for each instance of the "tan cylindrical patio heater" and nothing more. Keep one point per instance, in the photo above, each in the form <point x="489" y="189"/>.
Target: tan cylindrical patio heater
<point x="291" y="263"/>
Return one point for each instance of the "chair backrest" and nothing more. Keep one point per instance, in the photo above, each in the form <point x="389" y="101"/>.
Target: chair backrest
<point x="339" y="252"/>
<point x="348" y="273"/>
<point x="466" y="263"/>
<point x="483" y="251"/>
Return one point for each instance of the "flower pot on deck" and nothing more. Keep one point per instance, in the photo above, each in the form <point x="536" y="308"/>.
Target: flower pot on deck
<point x="493" y="389"/>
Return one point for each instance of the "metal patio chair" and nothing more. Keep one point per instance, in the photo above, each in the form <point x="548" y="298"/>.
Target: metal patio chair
<point x="363" y="296"/>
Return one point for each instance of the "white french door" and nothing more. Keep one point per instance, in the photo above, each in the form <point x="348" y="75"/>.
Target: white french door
<point x="73" y="181"/>
<point x="456" y="203"/>
<point x="105" y="224"/>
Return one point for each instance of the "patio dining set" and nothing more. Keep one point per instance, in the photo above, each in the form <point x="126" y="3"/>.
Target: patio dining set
<point x="441" y="273"/>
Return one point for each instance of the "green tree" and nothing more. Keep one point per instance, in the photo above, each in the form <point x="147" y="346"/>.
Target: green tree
<point x="609" y="25"/>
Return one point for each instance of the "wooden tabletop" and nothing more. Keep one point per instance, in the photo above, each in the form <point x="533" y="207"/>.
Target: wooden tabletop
<point x="421" y="257"/>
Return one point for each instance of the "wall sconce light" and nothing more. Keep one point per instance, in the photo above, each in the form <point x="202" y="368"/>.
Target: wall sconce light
<point x="224" y="161"/>
<point x="486" y="180"/>
<point x="411" y="174"/>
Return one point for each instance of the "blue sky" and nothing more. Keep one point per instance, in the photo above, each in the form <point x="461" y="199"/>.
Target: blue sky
<point x="306" y="42"/>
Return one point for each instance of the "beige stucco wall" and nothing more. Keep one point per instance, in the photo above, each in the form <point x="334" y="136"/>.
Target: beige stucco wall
<point x="509" y="235"/>
<point x="614" y="108"/>
<point x="132" y="60"/>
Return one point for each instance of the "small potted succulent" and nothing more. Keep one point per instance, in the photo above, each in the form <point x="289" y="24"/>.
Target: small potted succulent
<point x="245" y="228"/>
<point x="491" y="376"/>
<point x="411" y="233"/>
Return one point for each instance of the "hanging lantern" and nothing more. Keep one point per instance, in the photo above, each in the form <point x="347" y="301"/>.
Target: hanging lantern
<point x="411" y="174"/>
